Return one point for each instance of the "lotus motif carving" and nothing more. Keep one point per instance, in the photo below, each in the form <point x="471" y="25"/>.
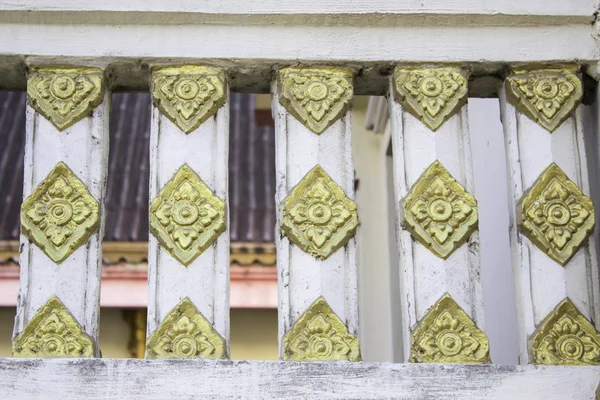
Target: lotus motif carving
<point x="439" y="212"/>
<point x="555" y="215"/>
<point x="186" y="217"/>
<point x="317" y="97"/>
<point x="318" y="216"/>
<point x="565" y="337"/>
<point x="319" y="335"/>
<point x="432" y="95"/>
<point x="446" y="334"/>
<point x="53" y="332"/>
<point x="64" y="96"/>
<point x="60" y="215"/>
<point x="188" y="95"/>
<point x="186" y="333"/>
<point x="547" y="96"/>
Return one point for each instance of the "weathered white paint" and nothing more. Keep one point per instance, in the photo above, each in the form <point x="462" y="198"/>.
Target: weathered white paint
<point x="206" y="280"/>
<point x="424" y="277"/>
<point x="75" y="281"/>
<point x="268" y="7"/>
<point x="302" y="278"/>
<point x="540" y="282"/>
<point x="173" y="379"/>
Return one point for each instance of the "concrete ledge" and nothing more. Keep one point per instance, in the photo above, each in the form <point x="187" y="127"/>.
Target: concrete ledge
<point x="114" y="379"/>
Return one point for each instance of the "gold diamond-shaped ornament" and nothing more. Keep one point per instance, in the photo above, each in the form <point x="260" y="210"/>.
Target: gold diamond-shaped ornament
<point x="317" y="216"/>
<point x="565" y="337"/>
<point x="317" y="97"/>
<point x="438" y="211"/>
<point x="432" y="95"/>
<point x="446" y="334"/>
<point x="64" y="96"/>
<point x="320" y="335"/>
<point x="188" y="95"/>
<point x="186" y="333"/>
<point x="53" y="332"/>
<point x="187" y="217"/>
<point x="60" y="215"/>
<point x="555" y="215"/>
<point x="547" y="96"/>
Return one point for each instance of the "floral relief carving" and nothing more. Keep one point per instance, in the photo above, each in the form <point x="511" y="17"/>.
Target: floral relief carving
<point x="320" y="335"/>
<point x="188" y="95"/>
<point x="446" y="334"/>
<point x="555" y="215"/>
<point x="60" y="215"/>
<point x="565" y="337"/>
<point x="186" y="217"/>
<point x="432" y="95"/>
<point x="53" y="332"/>
<point x="64" y="96"/>
<point x="186" y="333"/>
<point x="317" y="97"/>
<point x="439" y="213"/>
<point x="318" y="217"/>
<point x="547" y="96"/>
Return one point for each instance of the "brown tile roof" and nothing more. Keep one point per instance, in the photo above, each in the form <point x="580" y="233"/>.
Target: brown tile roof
<point x="251" y="166"/>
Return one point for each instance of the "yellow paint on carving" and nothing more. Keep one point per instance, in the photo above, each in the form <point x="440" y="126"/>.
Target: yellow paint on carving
<point x="186" y="333"/>
<point x="60" y="215"/>
<point x="319" y="335"/>
<point x="188" y="95"/>
<point x="547" y="96"/>
<point x="565" y="337"/>
<point x="432" y="95"/>
<point x="555" y="215"/>
<point x="438" y="212"/>
<point x="53" y="332"/>
<point x="187" y="217"/>
<point x="447" y="335"/>
<point x="317" y="216"/>
<point x="317" y="97"/>
<point x="64" y="96"/>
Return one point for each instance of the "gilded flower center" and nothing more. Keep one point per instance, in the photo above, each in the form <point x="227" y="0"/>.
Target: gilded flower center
<point x="53" y="344"/>
<point x="546" y="88"/>
<point x="558" y="213"/>
<point x="185" y="345"/>
<point x="63" y="87"/>
<point x="321" y="345"/>
<point x="59" y="212"/>
<point x="431" y="86"/>
<point x="440" y="210"/>
<point x="317" y="91"/>
<point x="187" y="89"/>
<point x="319" y="213"/>
<point x="449" y="343"/>
<point x="571" y="347"/>
<point x="185" y="212"/>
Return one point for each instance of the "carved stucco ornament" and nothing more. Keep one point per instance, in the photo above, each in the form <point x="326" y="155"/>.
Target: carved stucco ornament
<point x="547" y="96"/>
<point x="317" y="216"/>
<point x="565" y="337"/>
<point x="555" y="215"/>
<point x="64" y="96"/>
<point x="188" y="95"/>
<point x="446" y="334"/>
<point x="60" y="215"/>
<point x="186" y="333"/>
<point x="438" y="211"/>
<point x="319" y="335"/>
<point x="187" y="217"/>
<point x="317" y="97"/>
<point x="432" y="95"/>
<point x="53" y="332"/>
